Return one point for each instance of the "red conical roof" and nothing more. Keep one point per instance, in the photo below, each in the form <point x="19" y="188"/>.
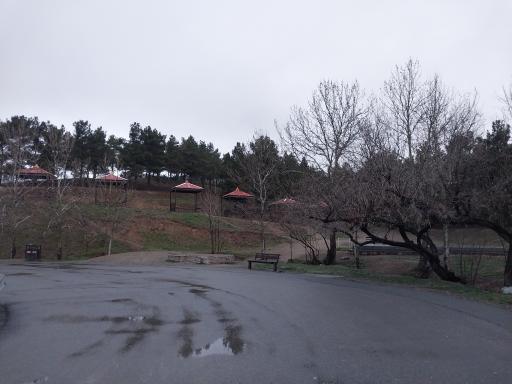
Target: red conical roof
<point x="34" y="171"/>
<point x="187" y="187"/>
<point x="110" y="178"/>
<point x="238" y="194"/>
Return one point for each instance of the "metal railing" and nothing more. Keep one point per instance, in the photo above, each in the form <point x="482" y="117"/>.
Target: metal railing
<point x="368" y="250"/>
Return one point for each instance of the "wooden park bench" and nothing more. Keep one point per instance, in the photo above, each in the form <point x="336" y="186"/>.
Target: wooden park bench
<point x="265" y="258"/>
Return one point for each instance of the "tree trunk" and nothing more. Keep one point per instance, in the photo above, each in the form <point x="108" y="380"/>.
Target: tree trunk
<point x="435" y="265"/>
<point x="13" y="247"/>
<point x="427" y="250"/>
<point x="423" y="269"/>
<point x="330" y="258"/>
<point x="109" y="246"/>
<point x="409" y="144"/>
<point x="507" y="281"/>
<point x="262" y="227"/>
<point x="59" y="246"/>
<point x="356" y="256"/>
<point x="212" y="234"/>
<point x="446" y="245"/>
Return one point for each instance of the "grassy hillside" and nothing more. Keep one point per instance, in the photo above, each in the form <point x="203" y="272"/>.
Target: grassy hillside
<point x="144" y="223"/>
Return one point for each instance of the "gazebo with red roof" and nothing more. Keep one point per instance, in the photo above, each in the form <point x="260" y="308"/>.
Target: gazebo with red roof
<point x="110" y="180"/>
<point x="186" y="187"/>
<point x="35" y="173"/>
<point x="237" y="205"/>
<point x="281" y="206"/>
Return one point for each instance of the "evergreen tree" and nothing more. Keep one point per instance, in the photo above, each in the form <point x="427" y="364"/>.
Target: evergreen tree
<point x="96" y="149"/>
<point x="113" y="152"/>
<point x="172" y="156"/>
<point x="132" y="155"/>
<point x="80" y="151"/>
<point x="189" y="161"/>
<point x="153" y="152"/>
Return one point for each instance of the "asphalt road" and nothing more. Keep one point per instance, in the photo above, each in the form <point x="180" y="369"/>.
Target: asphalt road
<point x="86" y="323"/>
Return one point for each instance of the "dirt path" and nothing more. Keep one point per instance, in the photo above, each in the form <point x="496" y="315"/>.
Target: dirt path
<point x="136" y="258"/>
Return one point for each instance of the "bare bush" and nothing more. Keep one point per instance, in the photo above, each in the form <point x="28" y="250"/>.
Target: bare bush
<point x="211" y="205"/>
<point x="113" y="198"/>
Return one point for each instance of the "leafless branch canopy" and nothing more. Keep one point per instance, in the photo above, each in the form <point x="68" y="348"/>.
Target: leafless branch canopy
<point x="326" y="131"/>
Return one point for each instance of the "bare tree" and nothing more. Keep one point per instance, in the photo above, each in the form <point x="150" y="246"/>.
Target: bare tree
<point x="507" y="100"/>
<point x="293" y="217"/>
<point x="307" y="238"/>
<point x="210" y="204"/>
<point x="258" y="164"/>
<point x="404" y="98"/>
<point x="422" y="118"/>
<point x="18" y="136"/>
<point x="326" y="130"/>
<point x="326" y="133"/>
<point x="482" y="193"/>
<point x="392" y="203"/>
<point x="59" y="144"/>
<point x="398" y="200"/>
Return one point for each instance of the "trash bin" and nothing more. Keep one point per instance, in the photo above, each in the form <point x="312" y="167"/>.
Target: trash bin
<point x="32" y="252"/>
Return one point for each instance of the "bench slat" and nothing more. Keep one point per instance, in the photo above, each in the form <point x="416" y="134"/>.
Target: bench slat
<point x="265" y="258"/>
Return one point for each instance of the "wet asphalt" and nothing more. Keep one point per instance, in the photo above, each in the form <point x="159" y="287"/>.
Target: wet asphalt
<point x="86" y="323"/>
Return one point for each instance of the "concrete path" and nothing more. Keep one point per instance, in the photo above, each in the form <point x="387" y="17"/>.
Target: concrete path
<point x="94" y="323"/>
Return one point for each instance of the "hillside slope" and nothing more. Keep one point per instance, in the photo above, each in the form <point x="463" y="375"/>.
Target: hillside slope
<point x="144" y="223"/>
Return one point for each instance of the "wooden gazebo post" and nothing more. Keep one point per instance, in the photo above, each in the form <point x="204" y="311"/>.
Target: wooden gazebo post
<point x="237" y="196"/>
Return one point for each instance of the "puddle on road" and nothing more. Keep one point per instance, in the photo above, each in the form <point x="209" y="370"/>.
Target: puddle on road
<point x="232" y="339"/>
<point x="229" y="345"/>
<point x="218" y="347"/>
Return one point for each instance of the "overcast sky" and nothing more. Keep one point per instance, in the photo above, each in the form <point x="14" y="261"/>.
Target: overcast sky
<point x="222" y="69"/>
